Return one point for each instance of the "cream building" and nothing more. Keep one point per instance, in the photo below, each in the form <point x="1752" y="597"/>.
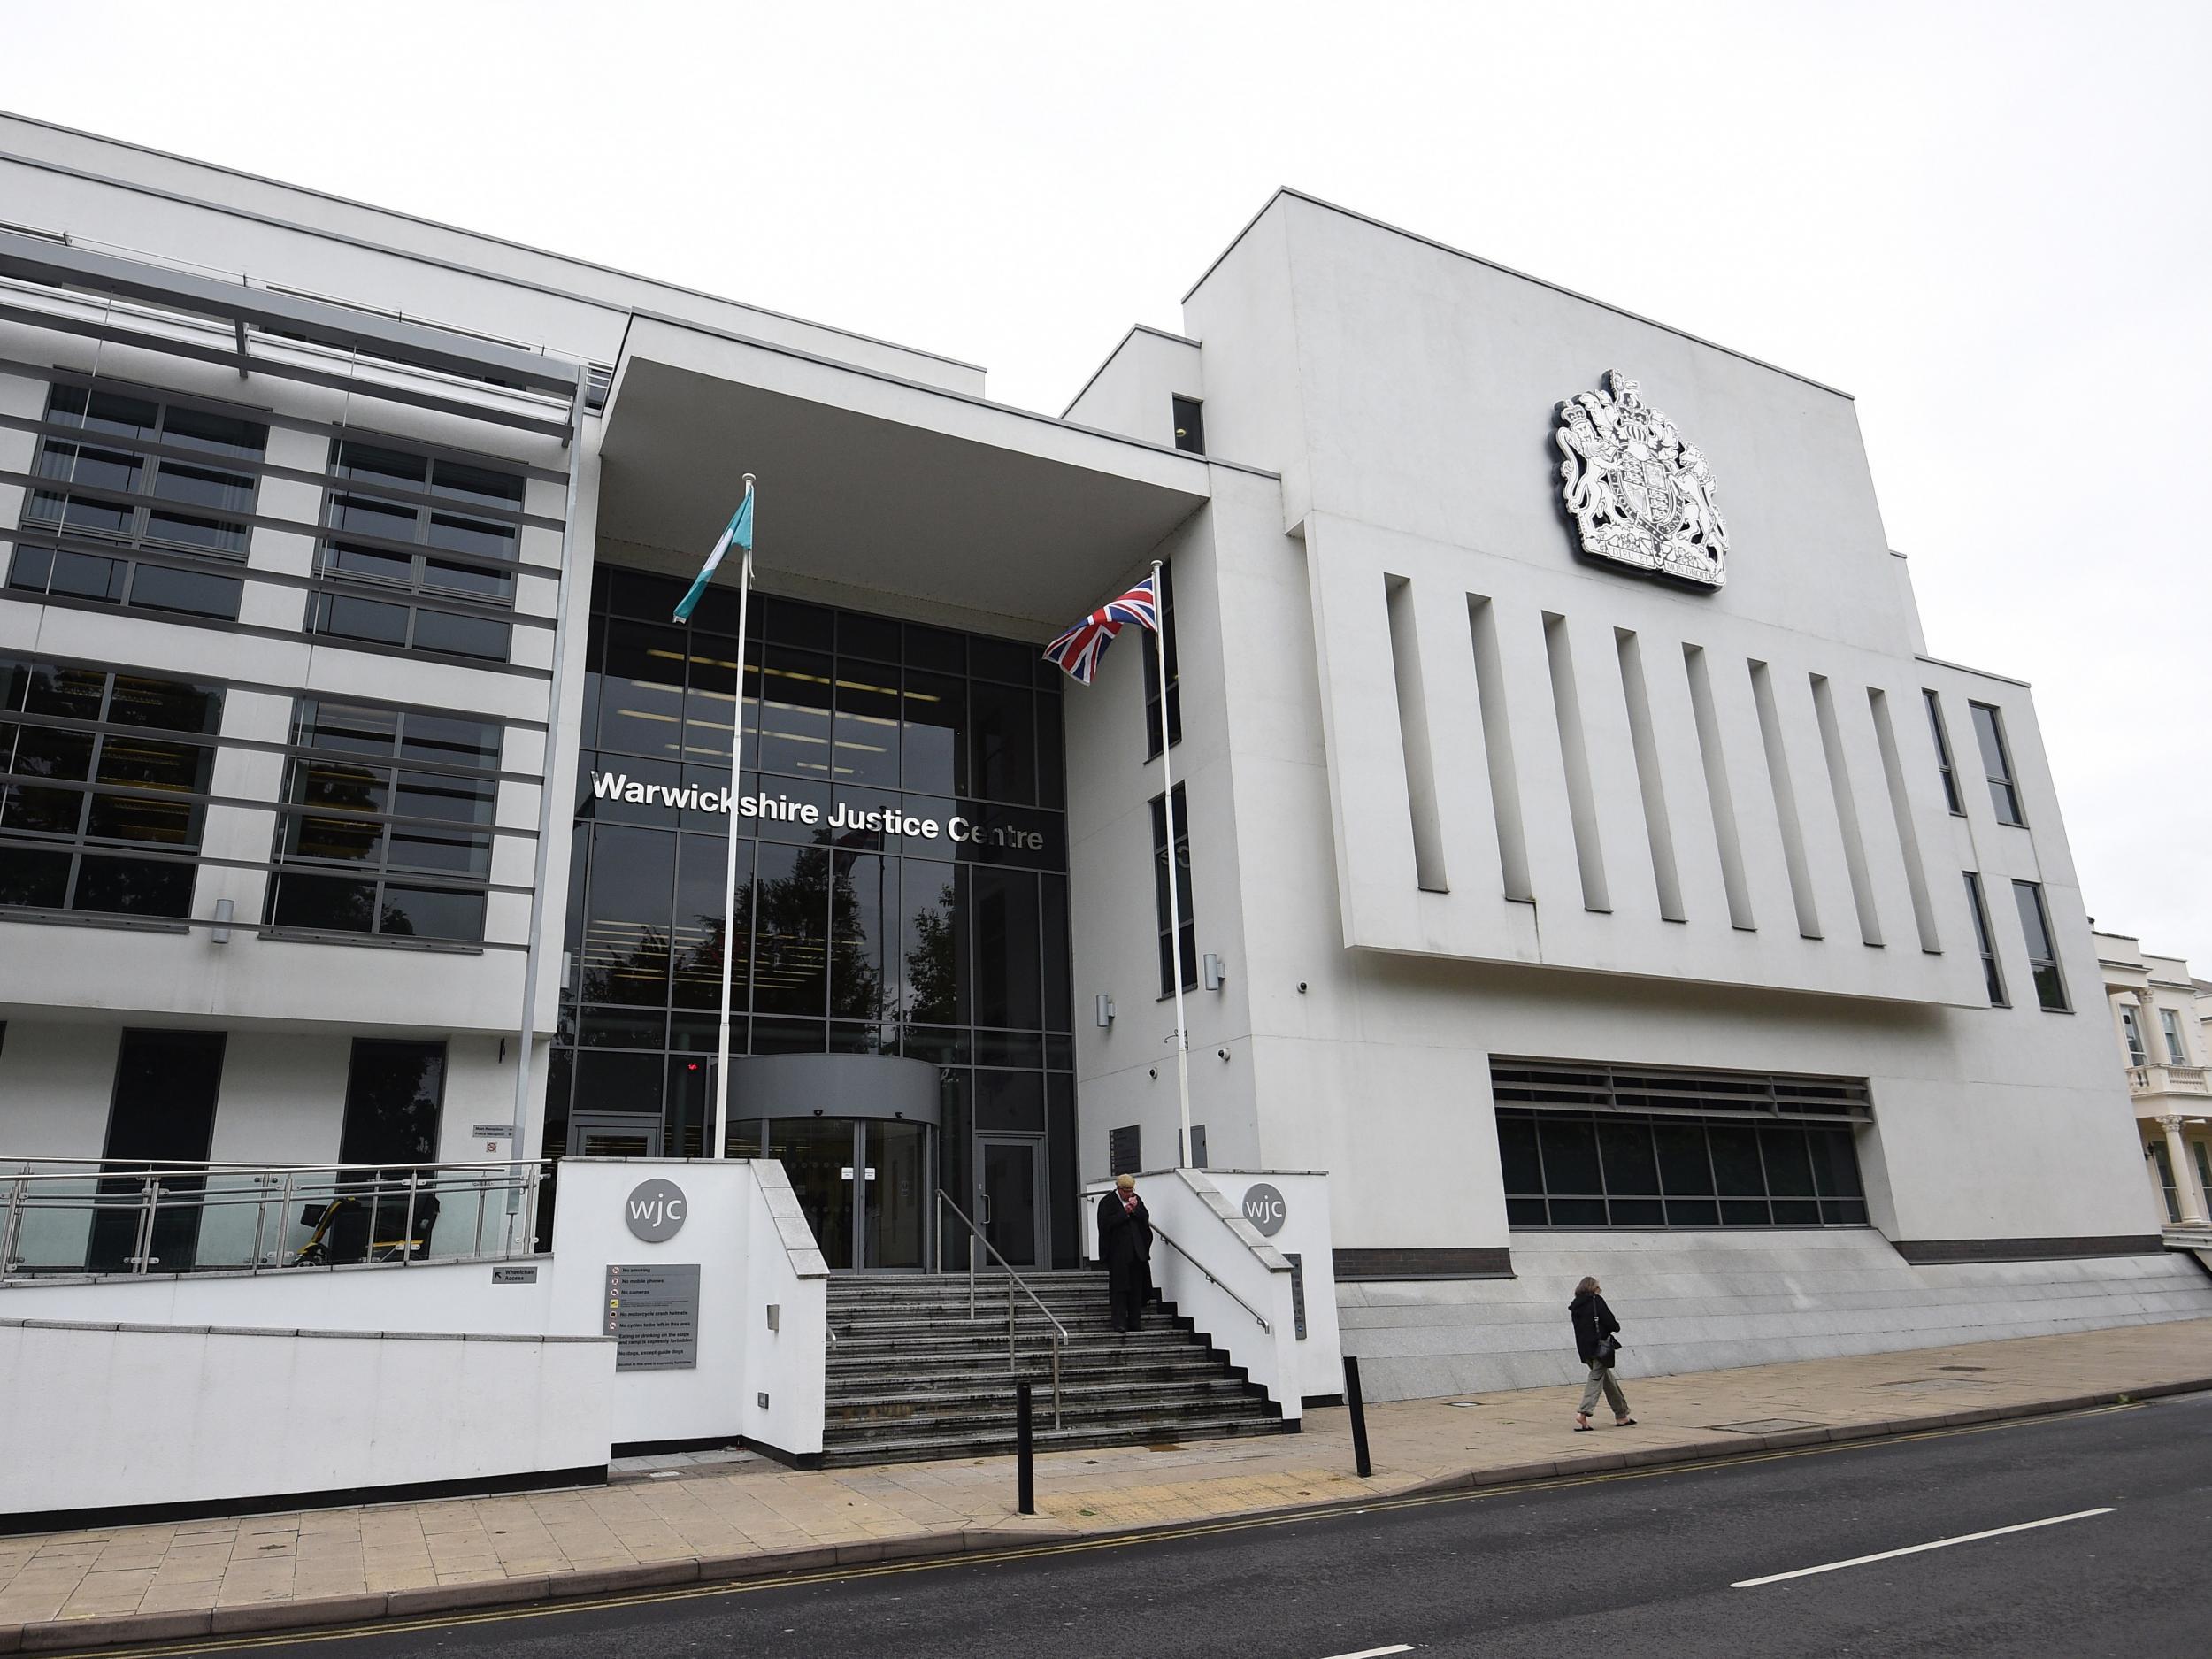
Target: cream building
<point x="2160" y="1019"/>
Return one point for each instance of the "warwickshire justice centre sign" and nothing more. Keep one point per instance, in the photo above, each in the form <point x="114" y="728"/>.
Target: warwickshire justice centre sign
<point x="841" y="818"/>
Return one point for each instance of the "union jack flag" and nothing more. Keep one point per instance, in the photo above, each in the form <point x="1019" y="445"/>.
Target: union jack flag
<point x="1079" y="650"/>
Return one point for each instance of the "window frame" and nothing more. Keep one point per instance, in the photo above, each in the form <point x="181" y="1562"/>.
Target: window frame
<point x="389" y="771"/>
<point x="2035" y="915"/>
<point x="2170" y="1028"/>
<point x="102" y="733"/>
<point x="1187" y="421"/>
<point x="2003" y="776"/>
<point x="1152" y="686"/>
<point x="1993" y="972"/>
<point x="1948" y="772"/>
<point x="415" y="594"/>
<point x="1160" y="860"/>
<point x="42" y="541"/>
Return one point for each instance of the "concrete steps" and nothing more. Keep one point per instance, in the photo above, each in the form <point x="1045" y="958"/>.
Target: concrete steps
<point x="912" y="1376"/>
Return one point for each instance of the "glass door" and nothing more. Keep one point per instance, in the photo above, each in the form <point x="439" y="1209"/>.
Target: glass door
<point x="897" y="1193"/>
<point x="816" y="1154"/>
<point x="1009" y="1182"/>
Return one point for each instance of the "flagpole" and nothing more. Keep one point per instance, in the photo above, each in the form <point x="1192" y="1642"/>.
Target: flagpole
<point x="1174" y="885"/>
<point x="729" y="876"/>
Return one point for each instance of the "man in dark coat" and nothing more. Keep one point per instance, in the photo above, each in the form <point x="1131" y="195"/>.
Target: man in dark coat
<point x="1593" y="1322"/>
<point x="1124" y="1243"/>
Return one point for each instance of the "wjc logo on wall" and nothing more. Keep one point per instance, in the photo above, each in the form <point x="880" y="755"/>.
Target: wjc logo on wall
<point x="655" y="1210"/>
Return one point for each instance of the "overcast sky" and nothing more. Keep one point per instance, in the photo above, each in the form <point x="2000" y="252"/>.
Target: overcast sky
<point x="1987" y="222"/>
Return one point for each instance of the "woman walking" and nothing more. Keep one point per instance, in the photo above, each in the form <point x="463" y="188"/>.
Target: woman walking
<point x="1595" y="1330"/>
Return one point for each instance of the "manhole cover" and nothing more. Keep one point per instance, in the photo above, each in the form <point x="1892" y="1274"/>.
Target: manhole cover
<point x="1766" y="1425"/>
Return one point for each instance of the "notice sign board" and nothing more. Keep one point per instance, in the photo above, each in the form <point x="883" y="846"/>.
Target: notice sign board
<point x="653" y="1315"/>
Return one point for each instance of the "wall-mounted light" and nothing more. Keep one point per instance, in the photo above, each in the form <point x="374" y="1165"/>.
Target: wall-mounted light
<point x="1211" y="973"/>
<point x="225" y="909"/>
<point x="1105" y="1010"/>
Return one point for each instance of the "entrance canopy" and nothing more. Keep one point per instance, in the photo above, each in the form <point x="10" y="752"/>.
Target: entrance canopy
<point x="879" y="484"/>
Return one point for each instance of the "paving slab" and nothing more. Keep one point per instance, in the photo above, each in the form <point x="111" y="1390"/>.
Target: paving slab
<point x="715" y="1518"/>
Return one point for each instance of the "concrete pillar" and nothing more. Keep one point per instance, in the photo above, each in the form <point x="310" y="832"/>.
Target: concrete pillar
<point x="2147" y="1026"/>
<point x="2187" y="1191"/>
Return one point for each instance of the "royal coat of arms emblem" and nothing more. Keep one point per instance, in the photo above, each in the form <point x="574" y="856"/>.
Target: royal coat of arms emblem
<point x="1640" y="492"/>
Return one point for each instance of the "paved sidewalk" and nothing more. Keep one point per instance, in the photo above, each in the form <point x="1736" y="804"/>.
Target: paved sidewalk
<point x="687" y="1520"/>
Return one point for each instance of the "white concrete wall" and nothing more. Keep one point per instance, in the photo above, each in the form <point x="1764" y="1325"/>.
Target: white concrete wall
<point x="1135" y="391"/>
<point x="100" y="1415"/>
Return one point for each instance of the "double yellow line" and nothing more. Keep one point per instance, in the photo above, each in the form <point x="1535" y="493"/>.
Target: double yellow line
<point x="984" y="1558"/>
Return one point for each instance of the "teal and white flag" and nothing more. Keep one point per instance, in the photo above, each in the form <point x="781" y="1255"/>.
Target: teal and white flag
<point x="739" y="530"/>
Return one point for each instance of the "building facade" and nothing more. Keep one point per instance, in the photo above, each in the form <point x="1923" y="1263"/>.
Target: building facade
<point x="1583" y="860"/>
<point x="2159" y="1013"/>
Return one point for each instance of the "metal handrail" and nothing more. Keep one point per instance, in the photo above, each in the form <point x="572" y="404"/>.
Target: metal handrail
<point x="1165" y="1237"/>
<point x="1059" y="1331"/>
<point x="169" y="1188"/>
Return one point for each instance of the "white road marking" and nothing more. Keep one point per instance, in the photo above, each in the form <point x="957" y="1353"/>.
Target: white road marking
<point x="1914" y="1549"/>
<point x="1374" y="1653"/>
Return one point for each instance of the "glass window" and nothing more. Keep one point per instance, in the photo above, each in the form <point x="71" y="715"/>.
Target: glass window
<point x="1992" y="976"/>
<point x="2133" y="1035"/>
<point x="1152" y="672"/>
<point x="2177" y="1050"/>
<point x="2035" y="925"/>
<point x="366" y="845"/>
<point x="1943" y="753"/>
<point x="1989" y="734"/>
<point x="111" y="493"/>
<point x="54" y="821"/>
<point x="1160" y="864"/>
<point x="393" y="541"/>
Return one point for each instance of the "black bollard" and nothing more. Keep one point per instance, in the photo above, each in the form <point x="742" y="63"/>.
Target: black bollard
<point x="1025" y="1468"/>
<point x="1359" y="1417"/>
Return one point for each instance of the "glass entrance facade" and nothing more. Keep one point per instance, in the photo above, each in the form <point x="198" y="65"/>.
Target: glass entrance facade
<point x="901" y="890"/>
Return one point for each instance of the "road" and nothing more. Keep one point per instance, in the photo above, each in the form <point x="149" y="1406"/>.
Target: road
<point x="1644" y="1566"/>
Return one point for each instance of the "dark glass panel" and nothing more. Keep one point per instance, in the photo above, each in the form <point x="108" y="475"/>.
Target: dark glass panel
<point x="365" y="515"/>
<point x="446" y="740"/>
<point x="875" y="638"/>
<point x="641" y="690"/>
<point x="363" y="564"/>
<point x="74" y="694"/>
<point x="790" y="921"/>
<point x="795" y="716"/>
<point x="1522" y="1170"/>
<point x="789" y="622"/>
<point x="471" y="536"/>
<point x="863" y="895"/>
<point x="328" y="905"/>
<point x="1692" y="1212"/>
<point x="203" y="535"/>
<point x="191" y="593"/>
<point x="28" y="810"/>
<point x="1001" y="659"/>
<point x="360" y="620"/>
<point x="1569" y="1147"/>
<point x="452" y="852"/>
<point x="462" y="636"/>
<point x="352" y="841"/>
<point x="935" y="717"/>
<point x="431" y="913"/>
<point x="394" y="1092"/>
<point x="340" y="785"/>
<point x="934" y="946"/>
<point x="44" y="752"/>
<point x="464" y="482"/>
<point x="1835" y="1164"/>
<point x="37" y="879"/>
<point x="789" y="1036"/>
<point x="467" y="582"/>
<point x="1789" y="1167"/>
<point x="1004" y="742"/>
<point x="1634" y="1212"/>
<point x="205" y="488"/>
<point x="1577" y="1212"/>
<point x="172" y="705"/>
<point x="701" y="871"/>
<point x="617" y="1083"/>
<point x="353" y="730"/>
<point x="711" y="699"/>
<point x="154" y="765"/>
<point x="1007" y="949"/>
<point x="1736" y="1160"/>
<point x="1684" y="1168"/>
<point x="1051" y="754"/>
<point x="625" y="945"/>
<point x="865" y="733"/>
<point x="1525" y="1212"/>
<point x="374" y="464"/>
<point x="937" y="1045"/>
<point x="1630" y="1166"/>
<point x="135" y="818"/>
<point x="218" y="434"/>
<point x="441" y="796"/>
<point x="31" y="569"/>
<point x="82" y="576"/>
<point x="1737" y="1212"/>
<point x="936" y="649"/>
<point x="621" y="1028"/>
<point x="1009" y="1100"/>
<point x="1053" y="909"/>
<point x="1020" y="1048"/>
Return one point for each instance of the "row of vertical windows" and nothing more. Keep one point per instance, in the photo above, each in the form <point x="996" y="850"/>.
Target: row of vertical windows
<point x="148" y="502"/>
<point x="387" y="823"/>
<point x="113" y="486"/>
<point x="1174" y="943"/>
<point x="2035" y="928"/>
<point x="1996" y="758"/>
<point x="102" y="773"/>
